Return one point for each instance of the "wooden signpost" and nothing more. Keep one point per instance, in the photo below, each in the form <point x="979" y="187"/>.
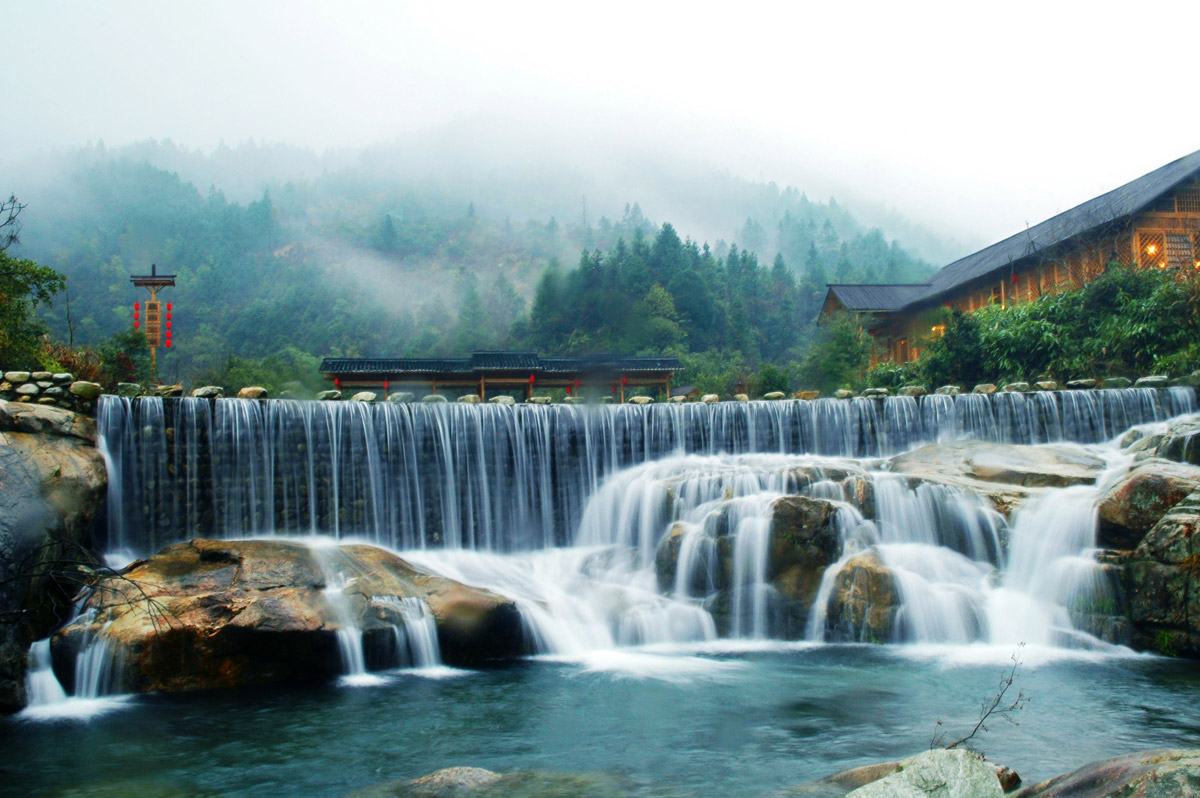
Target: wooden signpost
<point x="158" y="326"/>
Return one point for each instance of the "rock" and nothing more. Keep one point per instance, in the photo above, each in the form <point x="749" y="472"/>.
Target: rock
<point x="1115" y="382"/>
<point x="28" y="389"/>
<point x="1155" y="381"/>
<point x="956" y="773"/>
<point x="433" y="398"/>
<point x="6" y="387"/>
<point x="641" y="400"/>
<point x="1136" y="502"/>
<point x="1187" y="381"/>
<point x="252" y="392"/>
<point x="502" y="399"/>
<point x="453" y="781"/>
<point x="675" y="400"/>
<point x="607" y="400"/>
<point x="399" y="397"/>
<point x="804" y="543"/>
<point x="950" y="390"/>
<point x="257" y="611"/>
<point x="168" y="390"/>
<point x="86" y="390"/>
<point x="62" y="378"/>
<point x="40" y="376"/>
<point x="774" y="395"/>
<point x="44" y="384"/>
<point x="741" y="397"/>
<point x="1146" y="774"/>
<point x="808" y="396"/>
<point x="864" y="602"/>
<point x="710" y="398"/>
<point x="128" y="390"/>
<point x="539" y="400"/>
<point x="54" y="392"/>
<point x="1047" y="465"/>
<point x="334" y="395"/>
<point x="16" y="377"/>
<point x="460" y="782"/>
<point x="1046" y="385"/>
<point x="52" y="483"/>
<point x="364" y="396"/>
<point x="913" y="391"/>
<point x="985" y="388"/>
<point x="1017" y="387"/>
<point x="1162" y="575"/>
<point x="49" y="401"/>
<point x="469" y="399"/>
<point x="1083" y="385"/>
<point x="209" y="392"/>
<point x="875" y="393"/>
<point x="843" y="393"/>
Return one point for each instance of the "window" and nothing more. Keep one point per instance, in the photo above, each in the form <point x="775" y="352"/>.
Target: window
<point x="1188" y="200"/>
<point x="1152" y="250"/>
<point x="1179" y="251"/>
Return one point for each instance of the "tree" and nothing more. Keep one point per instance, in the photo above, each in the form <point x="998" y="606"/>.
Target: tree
<point x="23" y="286"/>
<point x="838" y="356"/>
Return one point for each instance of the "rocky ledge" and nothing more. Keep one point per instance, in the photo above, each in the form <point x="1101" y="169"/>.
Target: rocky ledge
<point x="210" y="614"/>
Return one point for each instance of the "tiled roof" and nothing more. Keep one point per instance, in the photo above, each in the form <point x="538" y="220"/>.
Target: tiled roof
<point x="491" y="361"/>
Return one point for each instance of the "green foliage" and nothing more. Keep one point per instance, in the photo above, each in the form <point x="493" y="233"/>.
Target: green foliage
<point x="771" y="378"/>
<point x="1164" y="645"/>
<point x="23" y="285"/>
<point x="892" y="375"/>
<point x="714" y="371"/>
<point x="839" y="355"/>
<point x="956" y="358"/>
<point x="272" y="372"/>
<point x="125" y="357"/>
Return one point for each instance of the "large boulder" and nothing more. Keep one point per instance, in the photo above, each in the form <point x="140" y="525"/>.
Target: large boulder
<point x="864" y="601"/>
<point x="1136" y="502"/>
<point x="52" y="486"/>
<point x="1164" y="583"/>
<point x="211" y="613"/>
<point x="804" y="542"/>
<point x="1146" y="774"/>
<point x="1010" y="464"/>
<point x="458" y="782"/>
<point x="940" y="772"/>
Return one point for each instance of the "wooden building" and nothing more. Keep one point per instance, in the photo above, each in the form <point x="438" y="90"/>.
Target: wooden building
<point x="1152" y="222"/>
<point x="509" y="372"/>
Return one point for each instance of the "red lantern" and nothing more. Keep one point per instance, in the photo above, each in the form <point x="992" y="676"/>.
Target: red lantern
<point x="385" y="386"/>
<point x="337" y="382"/>
<point x="614" y="389"/>
<point x="624" y="380"/>
<point x="531" y="379"/>
<point x="1014" y="278"/>
<point x="168" y="307"/>
<point x="568" y="389"/>
<point x="168" y="324"/>
<point x="168" y="343"/>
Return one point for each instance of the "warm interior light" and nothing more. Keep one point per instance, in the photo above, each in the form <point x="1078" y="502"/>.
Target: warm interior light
<point x="1162" y="265"/>
<point x="1152" y="249"/>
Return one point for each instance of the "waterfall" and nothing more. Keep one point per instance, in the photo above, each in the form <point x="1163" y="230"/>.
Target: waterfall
<point x="506" y="478"/>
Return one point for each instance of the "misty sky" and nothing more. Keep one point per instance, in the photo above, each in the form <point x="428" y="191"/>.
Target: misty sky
<point x="973" y="118"/>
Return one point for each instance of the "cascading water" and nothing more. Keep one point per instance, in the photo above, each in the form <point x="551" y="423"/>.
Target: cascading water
<point x="568" y="509"/>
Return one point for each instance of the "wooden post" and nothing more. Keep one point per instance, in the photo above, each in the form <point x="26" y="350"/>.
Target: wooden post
<point x="434" y="389"/>
<point x="622" y="383"/>
<point x="482" y="389"/>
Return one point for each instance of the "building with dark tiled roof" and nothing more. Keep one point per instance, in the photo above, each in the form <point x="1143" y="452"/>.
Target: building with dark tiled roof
<point x="1151" y="222"/>
<point x="503" y="372"/>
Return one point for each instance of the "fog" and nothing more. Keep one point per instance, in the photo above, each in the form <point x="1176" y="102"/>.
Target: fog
<point x="973" y="121"/>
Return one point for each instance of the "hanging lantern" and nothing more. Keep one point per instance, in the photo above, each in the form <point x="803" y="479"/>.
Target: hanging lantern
<point x="531" y="379"/>
<point x="1014" y="278"/>
<point x="337" y="382"/>
<point x="385" y="386"/>
<point x="168" y="307"/>
<point x="624" y="380"/>
<point x="568" y="389"/>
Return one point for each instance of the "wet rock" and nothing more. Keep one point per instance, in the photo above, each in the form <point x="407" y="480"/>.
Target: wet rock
<point x="1135" y="503"/>
<point x="211" y="613"/>
<point x="1115" y="382"/>
<point x="640" y="400"/>
<point x="1153" y="381"/>
<point x="741" y="397"/>
<point x="984" y="388"/>
<point x="844" y="393"/>
<point x="950" y="390"/>
<point x="28" y="389"/>
<point x="804" y="542"/>
<point x="453" y="779"/>
<point x="52" y="484"/>
<point x="876" y="393"/>
<point x="675" y="400"/>
<point x="774" y="395"/>
<point x="62" y="378"/>
<point x="86" y="390"/>
<point x="252" y="392"/>
<point x="1017" y="387"/>
<point x="469" y="399"/>
<point x="1083" y="385"/>
<point x="49" y="401"/>
<point x="1146" y="774"/>
<point x="433" y="398"/>
<point x="1188" y="380"/>
<point x="41" y="376"/>
<point x="1046" y="385"/>
<point x="864" y="602"/>
<point x="1164" y="583"/>
<point x="539" y="400"/>
<point x="913" y="390"/>
<point x="398" y="397"/>
<point x="16" y="377"/>
<point x="335" y="395"/>
<point x="950" y="773"/>
<point x="364" y="396"/>
<point x="521" y="784"/>
<point x="806" y="395"/>
<point x="169" y="390"/>
<point x="502" y="399"/>
<point x="709" y="398"/>
<point x="128" y="390"/>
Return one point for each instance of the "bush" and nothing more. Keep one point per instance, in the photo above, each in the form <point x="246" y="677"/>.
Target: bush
<point x="892" y="375"/>
<point x="839" y="355"/>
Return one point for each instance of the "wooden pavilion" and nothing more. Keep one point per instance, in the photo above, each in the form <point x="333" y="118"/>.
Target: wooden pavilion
<point x="1152" y="222"/>
<point x="503" y="372"/>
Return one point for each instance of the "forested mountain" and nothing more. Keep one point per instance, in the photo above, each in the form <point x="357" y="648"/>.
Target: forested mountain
<point x="341" y="254"/>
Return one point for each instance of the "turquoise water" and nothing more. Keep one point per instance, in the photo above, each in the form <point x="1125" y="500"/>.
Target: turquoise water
<point x="680" y="722"/>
